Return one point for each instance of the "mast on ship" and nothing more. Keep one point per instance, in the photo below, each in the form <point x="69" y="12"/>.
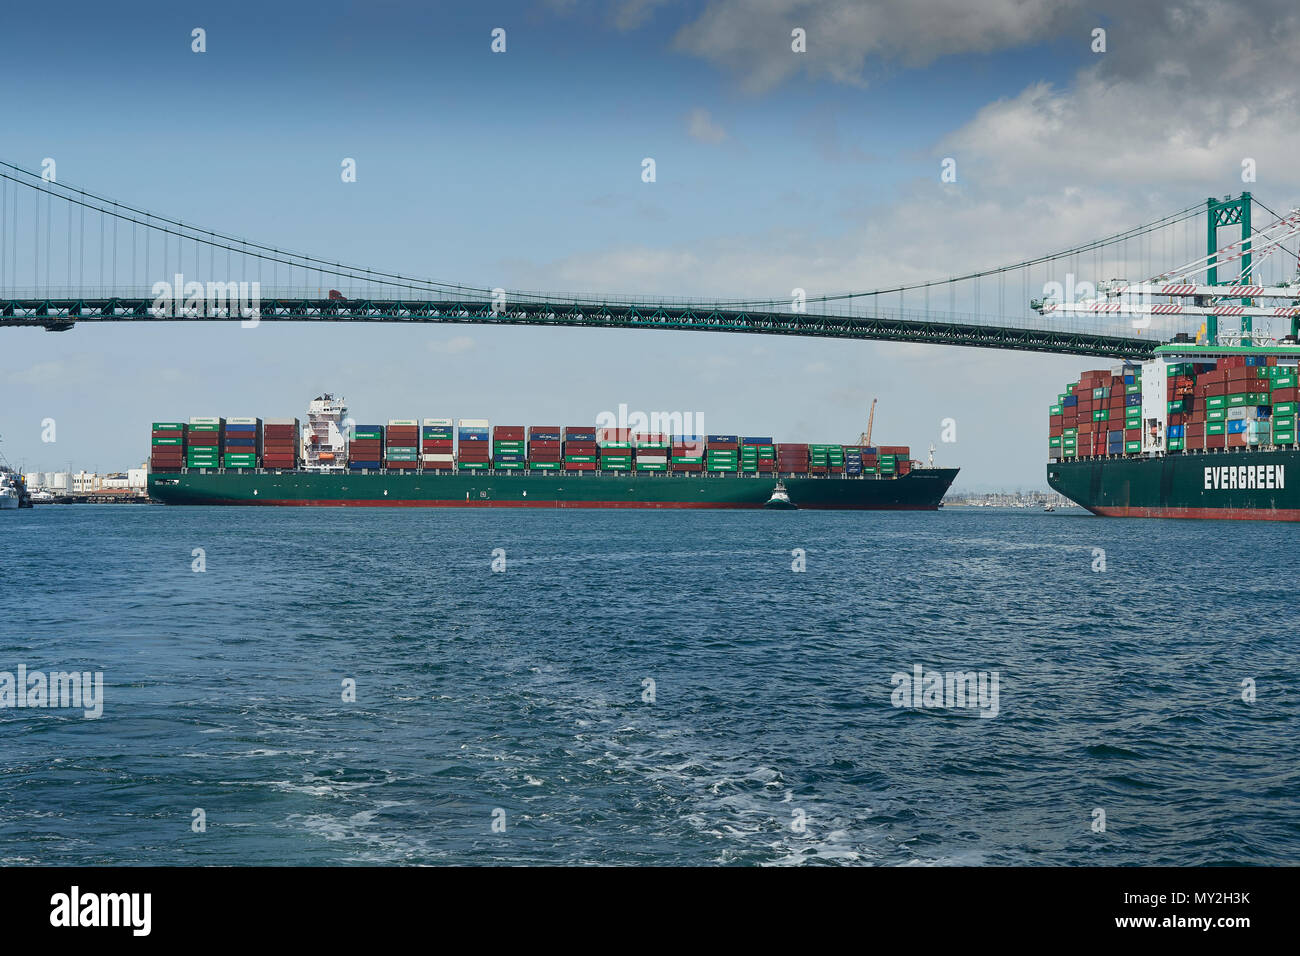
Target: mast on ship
<point x="324" y="440"/>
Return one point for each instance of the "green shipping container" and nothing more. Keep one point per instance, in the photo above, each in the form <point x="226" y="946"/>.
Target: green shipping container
<point x="1055" y="410"/>
<point x="1216" y="401"/>
<point x="1134" y="389"/>
<point x="1175" y="444"/>
<point x="1285" y="408"/>
<point x="1285" y="422"/>
<point x="1284" y="381"/>
<point x="472" y="465"/>
<point x="1101" y="415"/>
<point x="1054" y="441"/>
<point x="545" y="465"/>
<point x="1216" y="428"/>
<point x="169" y="426"/>
<point x="1070" y="432"/>
<point x="1241" y="398"/>
<point x="1283" y="438"/>
<point x="168" y="441"/>
<point x="1132" y="447"/>
<point x="1216" y="415"/>
<point x="581" y="458"/>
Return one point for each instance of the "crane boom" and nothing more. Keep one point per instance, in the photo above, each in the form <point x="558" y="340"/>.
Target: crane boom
<point x="864" y="438"/>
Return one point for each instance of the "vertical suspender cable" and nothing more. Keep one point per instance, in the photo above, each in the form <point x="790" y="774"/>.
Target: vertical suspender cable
<point x="4" y="228"/>
<point x="49" y="233"/>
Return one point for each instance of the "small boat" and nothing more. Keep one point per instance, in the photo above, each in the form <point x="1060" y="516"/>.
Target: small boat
<point x="11" y="492"/>
<point x="780" y="500"/>
<point x="1049" y="507"/>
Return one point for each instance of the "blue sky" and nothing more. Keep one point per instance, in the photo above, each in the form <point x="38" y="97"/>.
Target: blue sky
<point x="522" y="170"/>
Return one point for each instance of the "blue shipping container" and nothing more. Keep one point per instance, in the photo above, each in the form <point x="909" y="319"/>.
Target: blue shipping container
<point x="1236" y="427"/>
<point x="1176" y="431"/>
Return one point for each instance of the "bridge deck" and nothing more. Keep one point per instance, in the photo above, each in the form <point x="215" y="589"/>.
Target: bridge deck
<point x="61" y="314"/>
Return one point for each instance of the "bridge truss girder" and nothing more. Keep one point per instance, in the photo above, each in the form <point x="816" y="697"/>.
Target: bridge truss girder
<point x="62" y="314"/>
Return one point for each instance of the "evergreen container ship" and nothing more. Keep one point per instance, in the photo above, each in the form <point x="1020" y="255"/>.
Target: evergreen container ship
<point x="1201" y="431"/>
<point x="328" y="461"/>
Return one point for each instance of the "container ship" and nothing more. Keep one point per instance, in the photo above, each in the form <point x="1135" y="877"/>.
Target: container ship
<point x="1201" y="431"/>
<point x="437" y="462"/>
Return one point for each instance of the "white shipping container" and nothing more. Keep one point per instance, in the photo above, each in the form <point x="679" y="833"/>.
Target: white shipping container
<point x="437" y="458"/>
<point x="403" y="421"/>
<point x="439" y="421"/>
<point x="243" y="421"/>
<point x="281" y="421"/>
<point x="206" y="421"/>
<point x="473" y="423"/>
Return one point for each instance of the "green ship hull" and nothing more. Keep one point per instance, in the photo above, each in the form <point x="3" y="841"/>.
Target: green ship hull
<point x="1235" y="485"/>
<point x="920" y="490"/>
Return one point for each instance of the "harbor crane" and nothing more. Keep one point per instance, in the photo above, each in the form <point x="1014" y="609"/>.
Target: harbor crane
<point x="864" y="438"/>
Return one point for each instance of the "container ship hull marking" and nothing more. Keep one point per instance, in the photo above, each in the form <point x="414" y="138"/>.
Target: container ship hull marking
<point x="920" y="490"/>
<point x="1239" y="486"/>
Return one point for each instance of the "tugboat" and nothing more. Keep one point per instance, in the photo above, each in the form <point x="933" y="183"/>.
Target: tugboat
<point x="780" y="500"/>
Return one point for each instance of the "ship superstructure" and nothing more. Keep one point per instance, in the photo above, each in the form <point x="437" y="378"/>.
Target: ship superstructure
<point x="324" y="435"/>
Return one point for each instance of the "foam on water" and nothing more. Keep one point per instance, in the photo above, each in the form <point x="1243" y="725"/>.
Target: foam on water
<point x="521" y="693"/>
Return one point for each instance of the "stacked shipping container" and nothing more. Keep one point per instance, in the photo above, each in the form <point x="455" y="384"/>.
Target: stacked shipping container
<point x="241" y="443"/>
<point x="616" y="449"/>
<point x="437" y="445"/>
<point x="366" y="449"/>
<point x="402" y="444"/>
<point x="473" y="450"/>
<point x="722" y="453"/>
<point x="281" y="443"/>
<point x="757" y="455"/>
<point x="405" y="445"/>
<point x="545" y="448"/>
<point x="652" y="452"/>
<point x="203" y="442"/>
<point x="581" y="453"/>
<point x="509" y="451"/>
<point x="1237" y="401"/>
<point x="167" y="446"/>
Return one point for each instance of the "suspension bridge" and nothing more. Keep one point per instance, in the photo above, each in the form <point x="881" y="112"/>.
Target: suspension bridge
<point x="69" y="256"/>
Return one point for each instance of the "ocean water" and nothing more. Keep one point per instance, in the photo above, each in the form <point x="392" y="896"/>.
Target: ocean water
<point x="768" y="737"/>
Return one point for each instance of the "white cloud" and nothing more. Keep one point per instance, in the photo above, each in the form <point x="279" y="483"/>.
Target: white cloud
<point x="700" y="126"/>
<point x="753" y="38"/>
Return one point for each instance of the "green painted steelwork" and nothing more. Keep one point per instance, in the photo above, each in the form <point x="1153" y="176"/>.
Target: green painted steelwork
<point x="1220" y="214"/>
<point x="62" y="314"/>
